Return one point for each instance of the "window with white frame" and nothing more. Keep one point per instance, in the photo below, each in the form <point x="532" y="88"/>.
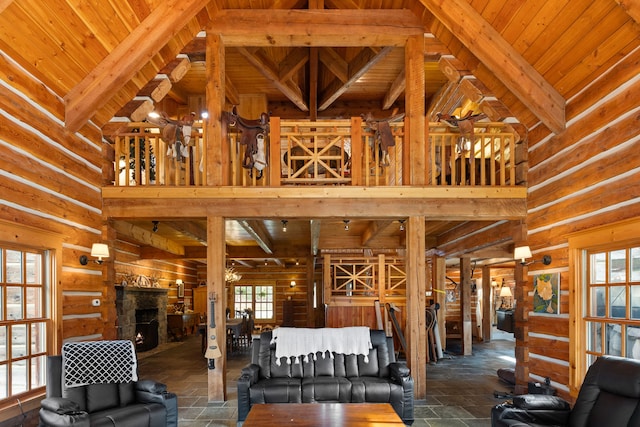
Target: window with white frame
<point x="259" y="298"/>
<point x="24" y="293"/>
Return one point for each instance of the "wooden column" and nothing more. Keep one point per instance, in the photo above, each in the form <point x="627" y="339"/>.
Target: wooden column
<point x="311" y="312"/>
<point x="217" y="378"/>
<point x="415" y="331"/>
<point x="521" y="332"/>
<point x="487" y="303"/>
<point x="414" y="152"/>
<point x="216" y="149"/>
<point x="465" y="306"/>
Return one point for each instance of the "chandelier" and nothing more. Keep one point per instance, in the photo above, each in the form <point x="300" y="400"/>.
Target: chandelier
<point x="231" y="275"/>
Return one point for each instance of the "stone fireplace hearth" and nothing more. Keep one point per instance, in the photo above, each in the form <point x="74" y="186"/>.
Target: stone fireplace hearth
<point x="131" y="300"/>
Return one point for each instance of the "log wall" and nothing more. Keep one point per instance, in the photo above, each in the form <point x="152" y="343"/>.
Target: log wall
<point x="51" y="179"/>
<point x="584" y="177"/>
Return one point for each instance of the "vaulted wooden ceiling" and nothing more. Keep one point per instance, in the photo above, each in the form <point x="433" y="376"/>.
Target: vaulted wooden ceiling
<point x="527" y="61"/>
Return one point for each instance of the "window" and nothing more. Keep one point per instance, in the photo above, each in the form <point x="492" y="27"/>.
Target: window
<point x="258" y="298"/>
<point x="23" y="319"/>
<point x="604" y="289"/>
<point x="612" y="318"/>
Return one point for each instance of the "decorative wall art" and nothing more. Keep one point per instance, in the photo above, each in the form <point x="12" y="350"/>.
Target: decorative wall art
<point x="546" y="293"/>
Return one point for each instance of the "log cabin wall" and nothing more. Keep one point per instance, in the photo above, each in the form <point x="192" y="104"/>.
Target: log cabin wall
<point x="51" y="180"/>
<point x="584" y="177"/>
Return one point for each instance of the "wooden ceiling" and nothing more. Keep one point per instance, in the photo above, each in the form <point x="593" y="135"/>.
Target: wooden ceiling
<point x="527" y="61"/>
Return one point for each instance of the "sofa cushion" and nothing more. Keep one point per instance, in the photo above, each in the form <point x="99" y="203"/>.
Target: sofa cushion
<point x="127" y="393"/>
<point x="326" y="389"/>
<point x="102" y="396"/>
<point x="375" y="390"/>
<point x="277" y="390"/>
<point x="136" y="415"/>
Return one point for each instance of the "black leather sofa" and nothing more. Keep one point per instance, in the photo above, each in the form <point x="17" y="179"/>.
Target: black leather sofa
<point x="143" y="403"/>
<point x="341" y="379"/>
<point x="609" y="397"/>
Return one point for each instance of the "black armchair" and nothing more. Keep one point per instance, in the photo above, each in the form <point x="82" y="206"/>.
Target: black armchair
<point x="609" y="396"/>
<point x="135" y="403"/>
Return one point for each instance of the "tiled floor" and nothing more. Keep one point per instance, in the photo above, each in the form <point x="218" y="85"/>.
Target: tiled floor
<point x="459" y="388"/>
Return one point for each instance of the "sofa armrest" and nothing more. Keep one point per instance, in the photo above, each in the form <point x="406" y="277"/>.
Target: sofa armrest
<point x="62" y="412"/>
<point x="399" y="372"/>
<point x="531" y="409"/>
<point x="150" y="386"/>
<point x="250" y="373"/>
<point x="248" y="376"/>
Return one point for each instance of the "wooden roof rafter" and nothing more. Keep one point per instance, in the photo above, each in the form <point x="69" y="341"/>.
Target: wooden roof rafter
<point x="471" y="29"/>
<point x="122" y="63"/>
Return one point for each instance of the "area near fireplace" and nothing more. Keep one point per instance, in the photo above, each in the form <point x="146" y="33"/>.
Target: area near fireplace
<point x="142" y="315"/>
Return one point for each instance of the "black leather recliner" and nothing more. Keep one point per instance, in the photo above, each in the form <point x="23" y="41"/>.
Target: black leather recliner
<point x="143" y="403"/>
<point x="341" y="379"/>
<point x="609" y="397"/>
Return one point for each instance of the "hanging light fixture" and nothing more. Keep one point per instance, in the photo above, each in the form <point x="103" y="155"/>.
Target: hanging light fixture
<point x="231" y="275"/>
<point x="401" y="224"/>
<point x="284" y="225"/>
<point x="346" y="224"/>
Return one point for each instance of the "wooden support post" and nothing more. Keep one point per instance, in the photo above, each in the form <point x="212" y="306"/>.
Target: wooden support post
<point x="465" y="306"/>
<point x="216" y="150"/>
<point x="415" y="331"/>
<point x="414" y="152"/>
<point x="487" y="303"/>
<point x="217" y="378"/>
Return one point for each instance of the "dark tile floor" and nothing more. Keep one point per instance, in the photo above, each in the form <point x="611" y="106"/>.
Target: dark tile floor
<point x="459" y="388"/>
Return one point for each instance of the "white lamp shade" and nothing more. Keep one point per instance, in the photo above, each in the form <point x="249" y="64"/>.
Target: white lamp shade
<point x="100" y="250"/>
<point x="522" y="252"/>
<point x="179" y="282"/>
<point x="505" y="291"/>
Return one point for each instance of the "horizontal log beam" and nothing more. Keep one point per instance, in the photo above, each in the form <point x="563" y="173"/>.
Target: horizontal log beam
<point x="325" y="27"/>
<point x="355" y="202"/>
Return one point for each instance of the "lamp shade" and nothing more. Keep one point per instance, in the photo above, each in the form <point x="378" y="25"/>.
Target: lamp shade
<point x="100" y="250"/>
<point x="505" y="291"/>
<point x="522" y="253"/>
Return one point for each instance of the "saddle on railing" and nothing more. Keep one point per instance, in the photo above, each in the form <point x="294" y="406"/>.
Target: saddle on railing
<point x="382" y="131"/>
<point x="253" y="136"/>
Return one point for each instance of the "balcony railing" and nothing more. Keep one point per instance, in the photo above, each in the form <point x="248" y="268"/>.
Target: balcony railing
<point x="327" y="152"/>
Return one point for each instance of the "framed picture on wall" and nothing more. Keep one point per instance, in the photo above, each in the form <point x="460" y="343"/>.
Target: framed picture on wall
<point x="546" y="293"/>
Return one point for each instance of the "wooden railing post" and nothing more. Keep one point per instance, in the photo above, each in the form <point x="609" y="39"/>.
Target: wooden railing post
<point x="356" y="151"/>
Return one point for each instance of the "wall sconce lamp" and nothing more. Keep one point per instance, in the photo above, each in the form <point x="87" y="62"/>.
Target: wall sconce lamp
<point x="524" y="252"/>
<point x="284" y="225"/>
<point x="98" y="250"/>
<point x="179" y="282"/>
<point x="346" y="224"/>
<point x="292" y="284"/>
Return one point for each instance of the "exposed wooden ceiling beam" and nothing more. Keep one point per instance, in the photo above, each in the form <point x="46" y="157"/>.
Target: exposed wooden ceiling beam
<point x="270" y="71"/>
<point x="334" y="63"/>
<point x="502" y="60"/>
<point x="189" y="228"/>
<point x="259" y="233"/>
<point x="397" y="87"/>
<point x="325" y="27"/>
<point x="292" y="63"/>
<point x="124" y="61"/>
<point x="146" y="237"/>
<point x="374" y="229"/>
<point x="358" y="67"/>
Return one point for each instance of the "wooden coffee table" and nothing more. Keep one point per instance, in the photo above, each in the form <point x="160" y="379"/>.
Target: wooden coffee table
<point x="322" y="415"/>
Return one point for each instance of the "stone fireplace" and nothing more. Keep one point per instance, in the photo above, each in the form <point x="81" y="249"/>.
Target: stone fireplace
<point x="137" y="308"/>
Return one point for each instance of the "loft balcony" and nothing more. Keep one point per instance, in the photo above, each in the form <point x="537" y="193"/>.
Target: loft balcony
<point x="325" y="153"/>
